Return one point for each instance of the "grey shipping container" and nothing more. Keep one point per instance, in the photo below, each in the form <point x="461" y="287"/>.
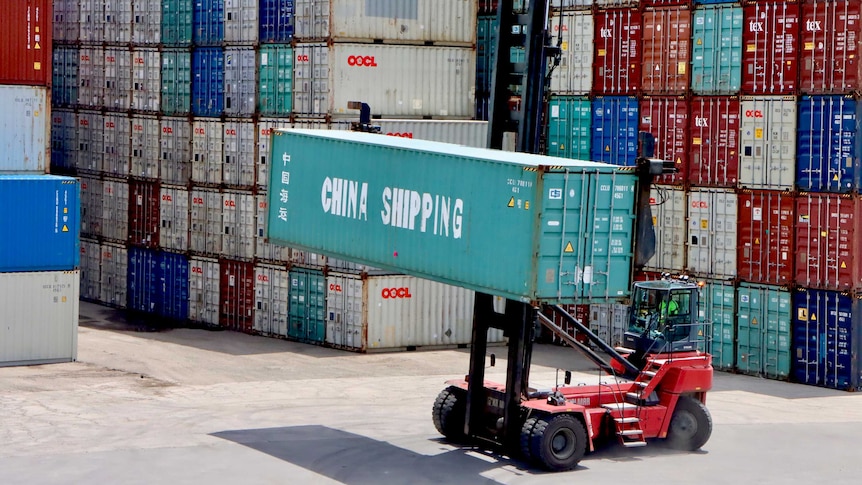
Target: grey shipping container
<point x="240" y="81"/>
<point x="239" y="221"/>
<point x="91" y="76"/>
<point x="767" y="158"/>
<point x="145" y="151"/>
<point x="207" y="151"/>
<point x="239" y="148"/>
<point x="118" y="79"/>
<point x="240" y="21"/>
<point x="147" y="22"/>
<point x="90" y="273"/>
<point x="271" y="297"/>
<point x="114" y="262"/>
<point x="574" y="75"/>
<point x="206" y="221"/>
<point x="91" y="206"/>
<point x="116" y="132"/>
<point x="174" y="212"/>
<point x="89" y="142"/>
<point x="175" y="161"/>
<point x="146" y="80"/>
<point x="115" y="210"/>
<point x="712" y="219"/>
<point x="25" y="125"/>
<point x="668" y="205"/>
<point x="263" y="250"/>
<point x="204" y="286"/>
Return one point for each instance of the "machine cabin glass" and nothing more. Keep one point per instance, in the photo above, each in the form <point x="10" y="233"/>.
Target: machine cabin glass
<point x="663" y="316"/>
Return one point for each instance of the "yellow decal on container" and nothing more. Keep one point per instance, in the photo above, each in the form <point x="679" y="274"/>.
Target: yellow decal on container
<point x="835" y="177"/>
<point x="607" y="148"/>
<point x="699" y="42"/>
<point x="758" y="133"/>
<point x="526" y="205"/>
<point x="65" y="210"/>
<point x="757" y="240"/>
<point x="602" y="52"/>
<point x="564" y="46"/>
<point x="704" y="223"/>
<point x="813" y="317"/>
<point x="680" y="68"/>
<point x="696" y="141"/>
<point x="824" y="233"/>
<point x="750" y="48"/>
<point x="654" y="220"/>
<point x="754" y="321"/>
<point x="562" y="147"/>
<point x="809" y="46"/>
<point x="511" y="202"/>
<point x="64" y="299"/>
<point x="65" y="228"/>
<point x="37" y="66"/>
<point x="569" y="248"/>
<point x="802" y="314"/>
<point x="843" y="265"/>
<point x="37" y="46"/>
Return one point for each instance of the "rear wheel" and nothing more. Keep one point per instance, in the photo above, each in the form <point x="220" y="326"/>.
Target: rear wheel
<point x="449" y="414"/>
<point x="557" y="443"/>
<point x="690" y="425"/>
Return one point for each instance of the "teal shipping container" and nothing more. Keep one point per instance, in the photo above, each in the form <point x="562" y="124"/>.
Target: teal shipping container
<point x="716" y="49"/>
<point x="307" y="309"/>
<point x="764" y="341"/>
<point x="176" y="82"/>
<point x="718" y="309"/>
<point x="526" y="227"/>
<point x="569" y="132"/>
<point x="275" y="86"/>
<point x="177" y="19"/>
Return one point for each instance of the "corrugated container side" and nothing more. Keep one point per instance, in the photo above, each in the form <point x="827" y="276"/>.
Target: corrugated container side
<point x="569" y="134"/>
<point x="144" y="214"/>
<point x="117" y="144"/>
<point x="174" y="213"/>
<point x="666" y="50"/>
<point x="177" y="22"/>
<point x="667" y="118"/>
<point x="311" y="79"/>
<point x="277" y="19"/>
<point x="307" y="309"/>
<point x="275" y="84"/>
<point x="208" y="22"/>
<point x="609" y="321"/>
<point x="487" y="31"/>
<point x="44" y="214"/>
<point x="176" y="75"/>
<point x="717" y="308"/>
<point x="204" y="282"/>
<point x="240" y="81"/>
<point x="63" y="141"/>
<point x="172" y="293"/>
<point x="768" y="138"/>
<point x="770" y="58"/>
<point x="25" y="125"/>
<point x="829" y="241"/>
<point x="143" y="279"/>
<point x="239" y="219"/>
<point x="66" y="20"/>
<point x="764" y="331"/>
<point x="263" y="250"/>
<point x="117" y="19"/>
<point x="208" y="82"/>
<point x="668" y="206"/>
<point x="615" y="3"/>
<point x="90" y="272"/>
<point x="146" y="80"/>
<point x="765" y="229"/>
<point x="64" y="84"/>
<point x="175" y="166"/>
<point x="827" y="345"/>
<point x="618" y="62"/>
<point x="25" y="43"/>
<point x="239" y="154"/>
<point x="716" y="58"/>
<point x="346" y="315"/>
<point x="40" y="317"/>
<point x="207" y="151"/>
<point x="614" y="124"/>
<point x="206" y="222"/>
<point x="712" y="232"/>
<point x="147" y="22"/>
<point x="89" y="141"/>
<point x="829" y="146"/>
<point x="240" y="21"/>
<point x="830" y="39"/>
<point x="91" y="206"/>
<point x="236" y="295"/>
<point x="91" y="77"/>
<point x="146" y="149"/>
<point x="115" y="210"/>
<point x="271" y="298"/>
<point x="114" y="262"/>
<point x="263" y="132"/>
<point x="714" y="152"/>
<point x="91" y="21"/>
<point x="580" y="312"/>
<point x="460" y="132"/>
<point x="574" y="75"/>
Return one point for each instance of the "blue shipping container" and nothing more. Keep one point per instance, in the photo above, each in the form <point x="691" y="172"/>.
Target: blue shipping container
<point x="142" y="279"/>
<point x="716" y="50"/>
<point x="40" y="223"/>
<point x="208" y="82"/>
<point x="208" y="22"/>
<point x="158" y="283"/>
<point x="827" y="345"/>
<point x="829" y="145"/>
<point x="276" y="20"/>
<point x="615" y="130"/>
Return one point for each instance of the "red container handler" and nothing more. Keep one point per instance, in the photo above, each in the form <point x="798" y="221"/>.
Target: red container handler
<point x="618" y="60"/>
<point x="765" y="233"/>
<point x="770" y="48"/>
<point x="667" y="118"/>
<point x="666" y="50"/>
<point x="714" y="148"/>
<point x="829" y="241"/>
<point x="25" y="42"/>
<point x="831" y="44"/>
<point x="144" y="213"/>
<point x="236" y="295"/>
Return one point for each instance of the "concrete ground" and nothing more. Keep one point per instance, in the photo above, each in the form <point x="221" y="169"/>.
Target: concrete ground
<point x="197" y="406"/>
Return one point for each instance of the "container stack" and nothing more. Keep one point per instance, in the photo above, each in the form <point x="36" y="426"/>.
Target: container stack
<point x="163" y="110"/>
<point x="39" y="213"/>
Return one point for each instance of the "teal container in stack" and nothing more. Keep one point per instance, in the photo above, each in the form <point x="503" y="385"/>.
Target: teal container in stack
<point x="764" y="340"/>
<point x="718" y="308"/>
<point x="569" y="123"/>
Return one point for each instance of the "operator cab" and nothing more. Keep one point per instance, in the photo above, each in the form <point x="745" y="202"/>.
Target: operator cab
<point x="664" y="317"/>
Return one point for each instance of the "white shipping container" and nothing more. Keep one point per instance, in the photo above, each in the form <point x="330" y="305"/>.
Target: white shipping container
<point x="146" y="148"/>
<point x="175" y="161"/>
<point x="25" y="126"/>
<point x="147" y="21"/>
<point x="271" y="297"/>
<point x="264" y="250"/>
<point x="767" y="159"/>
<point x="91" y="21"/>
<point x="174" y="213"/>
<point x="114" y="263"/>
<point x="311" y="78"/>
<point x="450" y="22"/>
<point x="712" y="232"/>
<point x="40" y="317"/>
<point x="239" y="221"/>
<point x="396" y="311"/>
<point x="206" y="221"/>
<point x="239" y="144"/>
<point x="116" y="130"/>
<point x="91" y="76"/>
<point x="66" y="24"/>
<point x="461" y="132"/>
<point x="204" y="283"/>
<point x="574" y="75"/>
<point x="146" y="79"/>
<point x="115" y="210"/>
<point x="91" y="206"/>
<point x="117" y="16"/>
<point x="240" y="81"/>
<point x="90" y="273"/>
<point x="90" y="142"/>
<point x="668" y="208"/>
<point x="207" y="151"/>
<point x="609" y="322"/>
<point x="118" y="79"/>
<point x="240" y="21"/>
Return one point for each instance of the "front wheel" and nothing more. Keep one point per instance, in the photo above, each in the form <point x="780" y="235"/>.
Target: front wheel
<point x="450" y="413"/>
<point x="556" y="443"/>
<point x="690" y="425"/>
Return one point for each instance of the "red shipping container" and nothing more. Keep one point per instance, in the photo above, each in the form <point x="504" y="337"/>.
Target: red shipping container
<point x="25" y="42"/>
<point x="770" y="50"/>
<point x="765" y="231"/>
<point x="714" y="153"/>
<point x="618" y="60"/>
<point x="831" y="45"/>
<point x="829" y="241"/>
<point x="144" y="215"/>
<point x="667" y="119"/>
<point x="236" y="310"/>
<point x="666" y="50"/>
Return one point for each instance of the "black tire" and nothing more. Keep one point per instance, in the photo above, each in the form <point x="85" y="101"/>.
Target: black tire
<point x="527" y="437"/>
<point x="449" y="414"/>
<point x="690" y="425"/>
<point x="558" y="443"/>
